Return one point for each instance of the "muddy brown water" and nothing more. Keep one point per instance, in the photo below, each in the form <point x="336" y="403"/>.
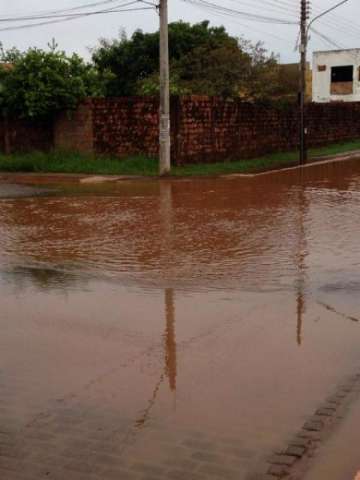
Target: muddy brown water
<point x="174" y="329"/>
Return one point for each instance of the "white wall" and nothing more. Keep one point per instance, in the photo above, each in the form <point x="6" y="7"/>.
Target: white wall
<point x="322" y="80"/>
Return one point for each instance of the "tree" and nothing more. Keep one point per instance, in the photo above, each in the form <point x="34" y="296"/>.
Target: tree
<point x="41" y="83"/>
<point x="203" y="59"/>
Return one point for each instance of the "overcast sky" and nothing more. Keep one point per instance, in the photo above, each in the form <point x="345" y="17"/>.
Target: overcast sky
<point x="342" y="28"/>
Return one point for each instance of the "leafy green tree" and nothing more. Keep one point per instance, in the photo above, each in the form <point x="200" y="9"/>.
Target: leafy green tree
<point x="41" y="83"/>
<point x="203" y="60"/>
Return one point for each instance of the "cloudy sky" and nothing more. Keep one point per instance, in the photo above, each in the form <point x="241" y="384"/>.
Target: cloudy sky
<point x="339" y="29"/>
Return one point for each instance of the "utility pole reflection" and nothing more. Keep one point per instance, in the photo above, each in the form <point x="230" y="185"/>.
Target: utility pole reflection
<point x="170" y="340"/>
<point x="170" y="358"/>
<point x="301" y="260"/>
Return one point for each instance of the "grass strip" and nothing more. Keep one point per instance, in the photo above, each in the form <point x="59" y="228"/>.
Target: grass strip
<point x="67" y="162"/>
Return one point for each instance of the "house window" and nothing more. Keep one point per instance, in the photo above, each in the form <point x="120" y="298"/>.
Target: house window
<point x="342" y="79"/>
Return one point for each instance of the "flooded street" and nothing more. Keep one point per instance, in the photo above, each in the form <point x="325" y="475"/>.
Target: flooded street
<point x="173" y="329"/>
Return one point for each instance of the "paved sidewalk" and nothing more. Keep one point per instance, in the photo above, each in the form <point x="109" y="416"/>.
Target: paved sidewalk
<point x="339" y="457"/>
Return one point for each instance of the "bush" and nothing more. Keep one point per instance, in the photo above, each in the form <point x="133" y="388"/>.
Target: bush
<point x="41" y="83"/>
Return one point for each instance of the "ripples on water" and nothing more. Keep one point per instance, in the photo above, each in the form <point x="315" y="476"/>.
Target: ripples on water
<point x="252" y="234"/>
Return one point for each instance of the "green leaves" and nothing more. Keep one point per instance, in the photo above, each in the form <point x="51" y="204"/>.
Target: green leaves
<point x="204" y="60"/>
<point x="42" y="83"/>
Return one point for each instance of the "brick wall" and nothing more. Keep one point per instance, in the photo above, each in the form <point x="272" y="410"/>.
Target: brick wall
<point x="204" y="129"/>
<point x="212" y="129"/>
<point x="75" y="130"/>
<point x="24" y="135"/>
<point x="126" y="126"/>
<point x="333" y="122"/>
<point x="208" y="129"/>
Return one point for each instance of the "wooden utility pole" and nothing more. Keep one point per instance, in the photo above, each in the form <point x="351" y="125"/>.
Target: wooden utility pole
<point x="303" y="52"/>
<point x="164" y="137"/>
<point x="305" y="30"/>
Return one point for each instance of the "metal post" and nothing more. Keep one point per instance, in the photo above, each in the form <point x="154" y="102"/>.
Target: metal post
<point x="303" y="52"/>
<point x="164" y="138"/>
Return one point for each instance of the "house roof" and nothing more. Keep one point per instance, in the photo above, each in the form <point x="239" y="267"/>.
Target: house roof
<point x="6" y="66"/>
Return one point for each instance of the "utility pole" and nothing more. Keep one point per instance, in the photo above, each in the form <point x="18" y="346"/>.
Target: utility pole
<point x="303" y="66"/>
<point x="164" y="136"/>
<point x="304" y="31"/>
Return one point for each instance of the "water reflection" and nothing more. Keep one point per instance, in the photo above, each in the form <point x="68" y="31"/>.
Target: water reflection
<point x="301" y="260"/>
<point x="42" y="279"/>
<point x="221" y="234"/>
<point x="170" y="339"/>
<point x="170" y="361"/>
<point x="196" y="297"/>
<point x="340" y="314"/>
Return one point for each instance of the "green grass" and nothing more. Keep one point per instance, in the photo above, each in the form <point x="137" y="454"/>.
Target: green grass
<point x="335" y="148"/>
<point x="65" y="162"/>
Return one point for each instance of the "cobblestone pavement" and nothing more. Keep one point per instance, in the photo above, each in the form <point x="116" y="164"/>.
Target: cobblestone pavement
<point x="337" y="457"/>
<point x="69" y="441"/>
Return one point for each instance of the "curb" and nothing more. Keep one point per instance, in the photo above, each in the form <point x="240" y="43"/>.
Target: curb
<point x="292" y="461"/>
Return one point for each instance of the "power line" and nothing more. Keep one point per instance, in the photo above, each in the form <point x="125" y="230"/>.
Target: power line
<point x="64" y="10"/>
<point x="210" y="6"/>
<point x="269" y="5"/>
<point x="327" y="39"/>
<point x="70" y="17"/>
<point x="66" y="15"/>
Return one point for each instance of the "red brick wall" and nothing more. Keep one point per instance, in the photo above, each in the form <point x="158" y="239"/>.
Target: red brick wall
<point x="25" y="135"/>
<point x="204" y="129"/>
<point x="126" y="126"/>
<point x="333" y="122"/>
<point x="212" y="129"/>
<point x="207" y="129"/>
<point x="75" y="130"/>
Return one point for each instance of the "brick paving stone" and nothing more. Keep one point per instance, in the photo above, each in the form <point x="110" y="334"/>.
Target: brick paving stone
<point x="6" y="440"/>
<point x="147" y="469"/>
<point x="346" y="388"/>
<point x="73" y="476"/>
<point x="181" y="464"/>
<point x="299" y="442"/>
<point x="10" y="452"/>
<point x="325" y="412"/>
<point x="239" y="452"/>
<point x="334" y="400"/>
<point x="314" y="425"/>
<point x="259" y="476"/>
<point x="198" y="444"/>
<point x="184" y="475"/>
<point x="310" y="435"/>
<point x="118" y="474"/>
<point x="282" y="460"/>
<point x="295" y="451"/>
<point x="206" y="457"/>
<point x="218" y="471"/>
<point x="278" y="470"/>
<point x="106" y="459"/>
<point x="82" y="467"/>
<point x="11" y="464"/>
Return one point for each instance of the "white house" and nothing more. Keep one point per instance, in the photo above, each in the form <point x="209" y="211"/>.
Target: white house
<point x="336" y="76"/>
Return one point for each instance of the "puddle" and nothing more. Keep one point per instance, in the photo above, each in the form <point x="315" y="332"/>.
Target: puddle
<point x="18" y="191"/>
<point x="175" y="328"/>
